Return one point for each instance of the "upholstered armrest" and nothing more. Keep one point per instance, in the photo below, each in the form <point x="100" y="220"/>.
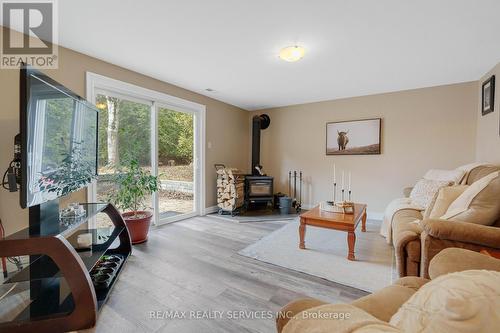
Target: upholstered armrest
<point x="340" y="318"/>
<point x="407" y="191"/>
<point x="463" y="232"/>
<point x="293" y="308"/>
<point x="454" y="259"/>
<point x="384" y="303"/>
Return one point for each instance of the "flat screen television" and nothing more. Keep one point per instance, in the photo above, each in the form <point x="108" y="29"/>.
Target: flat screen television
<point x="58" y="139"/>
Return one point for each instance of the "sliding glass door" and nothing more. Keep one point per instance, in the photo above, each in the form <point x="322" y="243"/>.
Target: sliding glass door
<point x="164" y="138"/>
<point x="176" y="167"/>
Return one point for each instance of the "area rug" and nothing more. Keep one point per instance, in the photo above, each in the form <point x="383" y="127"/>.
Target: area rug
<point x="326" y="252"/>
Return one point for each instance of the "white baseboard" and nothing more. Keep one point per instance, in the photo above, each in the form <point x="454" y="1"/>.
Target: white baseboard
<point x="370" y="215"/>
<point x="210" y="210"/>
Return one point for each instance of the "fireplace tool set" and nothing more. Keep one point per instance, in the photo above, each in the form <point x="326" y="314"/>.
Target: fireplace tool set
<point x="292" y="186"/>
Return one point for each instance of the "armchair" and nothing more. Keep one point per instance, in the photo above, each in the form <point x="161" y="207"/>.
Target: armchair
<point x="441" y="234"/>
<point x="376" y="310"/>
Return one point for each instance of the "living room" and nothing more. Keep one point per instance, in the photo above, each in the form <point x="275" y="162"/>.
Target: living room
<point x="356" y="153"/>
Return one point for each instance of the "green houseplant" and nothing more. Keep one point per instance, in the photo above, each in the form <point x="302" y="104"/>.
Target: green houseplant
<point x="134" y="186"/>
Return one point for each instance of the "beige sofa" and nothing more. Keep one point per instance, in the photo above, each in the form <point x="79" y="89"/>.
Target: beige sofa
<point x="377" y="309"/>
<point x="416" y="244"/>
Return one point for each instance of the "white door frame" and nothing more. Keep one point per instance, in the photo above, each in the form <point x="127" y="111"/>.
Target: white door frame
<point x="96" y="83"/>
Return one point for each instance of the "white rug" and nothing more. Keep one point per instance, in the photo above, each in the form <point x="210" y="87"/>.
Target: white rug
<point x="326" y="255"/>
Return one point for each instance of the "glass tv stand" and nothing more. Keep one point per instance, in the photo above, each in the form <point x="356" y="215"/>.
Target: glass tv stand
<point x="59" y="288"/>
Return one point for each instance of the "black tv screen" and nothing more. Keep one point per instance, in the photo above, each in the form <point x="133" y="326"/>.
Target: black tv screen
<point x="58" y="139"/>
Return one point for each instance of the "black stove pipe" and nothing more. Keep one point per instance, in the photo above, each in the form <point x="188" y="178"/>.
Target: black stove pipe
<point x="258" y="123"/>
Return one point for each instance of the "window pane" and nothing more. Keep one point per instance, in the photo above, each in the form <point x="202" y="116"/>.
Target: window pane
<point x="175" y="162"/>
<point x="124" y="134"/>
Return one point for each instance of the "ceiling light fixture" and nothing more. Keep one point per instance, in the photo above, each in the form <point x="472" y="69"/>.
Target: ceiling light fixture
<point x="292" y="53"/>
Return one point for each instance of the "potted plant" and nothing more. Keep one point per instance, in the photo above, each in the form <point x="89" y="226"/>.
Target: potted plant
<point x="134" y="185"/>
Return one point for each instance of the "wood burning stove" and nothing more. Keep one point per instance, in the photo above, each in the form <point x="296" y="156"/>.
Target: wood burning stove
<point x="258" y="187"/>
<point x="259" y="191"/>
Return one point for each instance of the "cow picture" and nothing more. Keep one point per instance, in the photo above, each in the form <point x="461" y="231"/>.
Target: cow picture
<point x="356" y="137"/>
<point x="342" y="140"/>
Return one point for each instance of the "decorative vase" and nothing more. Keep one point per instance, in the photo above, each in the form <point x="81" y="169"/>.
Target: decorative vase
<point x="138" y="226"/>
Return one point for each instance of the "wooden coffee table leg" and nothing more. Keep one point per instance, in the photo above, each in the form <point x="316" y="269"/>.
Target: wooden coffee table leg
<point x="363" y="222"/>
<point x="302" y="233"/>
<point x="351" y="240"/>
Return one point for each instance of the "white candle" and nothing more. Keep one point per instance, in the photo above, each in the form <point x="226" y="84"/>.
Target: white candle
<point x="349" y="181"/>
<point x="342" y="180"/>
<point x="334" y="176"/>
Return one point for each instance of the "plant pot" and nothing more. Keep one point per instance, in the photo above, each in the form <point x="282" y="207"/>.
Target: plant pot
<point x="138" y="227"/>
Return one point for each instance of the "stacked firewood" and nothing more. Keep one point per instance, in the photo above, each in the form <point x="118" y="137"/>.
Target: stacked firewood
<point x="230" y="189"/>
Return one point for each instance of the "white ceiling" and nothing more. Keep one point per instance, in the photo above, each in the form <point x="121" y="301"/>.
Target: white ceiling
<point x="354" y="47"/>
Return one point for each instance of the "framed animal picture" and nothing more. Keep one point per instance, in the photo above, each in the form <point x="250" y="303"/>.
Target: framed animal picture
<point x="354" y="137"/>
<point x="488" y="96"/>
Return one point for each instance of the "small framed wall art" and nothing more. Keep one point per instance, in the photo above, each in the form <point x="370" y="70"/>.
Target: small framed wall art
<point x="488" y="96"/>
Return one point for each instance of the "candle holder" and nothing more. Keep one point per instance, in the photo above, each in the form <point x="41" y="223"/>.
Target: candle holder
<point x="334" y="192"/>
<point x="342" y="195"/>
<point x="349" y="196"/>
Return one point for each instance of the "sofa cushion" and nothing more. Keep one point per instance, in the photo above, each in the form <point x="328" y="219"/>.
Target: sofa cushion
<point x="466" y="301"/>
<point x="453" y="176"/>
<point x="479" y="203"/>
<point x="442" y="200"/>
<point x="480" y="172"/>
<point x="424" y="190"/>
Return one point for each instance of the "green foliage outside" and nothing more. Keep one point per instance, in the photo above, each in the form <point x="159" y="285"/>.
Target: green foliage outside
<point x="175" y="133"/>
<point x="175" y="137"/>
<point x="134" y="185"/>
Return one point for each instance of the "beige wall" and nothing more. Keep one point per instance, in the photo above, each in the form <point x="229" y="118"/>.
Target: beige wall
<point x="421" y="129"/>
<point x="488" y="126"/>
<point x="424" y="128"/>
<point x="226" y="128"/>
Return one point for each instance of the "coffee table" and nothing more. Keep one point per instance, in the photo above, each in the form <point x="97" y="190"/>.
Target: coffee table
<point x="337" y="221"/>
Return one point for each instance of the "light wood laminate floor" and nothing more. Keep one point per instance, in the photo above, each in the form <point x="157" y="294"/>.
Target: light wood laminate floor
<point x="193" y="265"/>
